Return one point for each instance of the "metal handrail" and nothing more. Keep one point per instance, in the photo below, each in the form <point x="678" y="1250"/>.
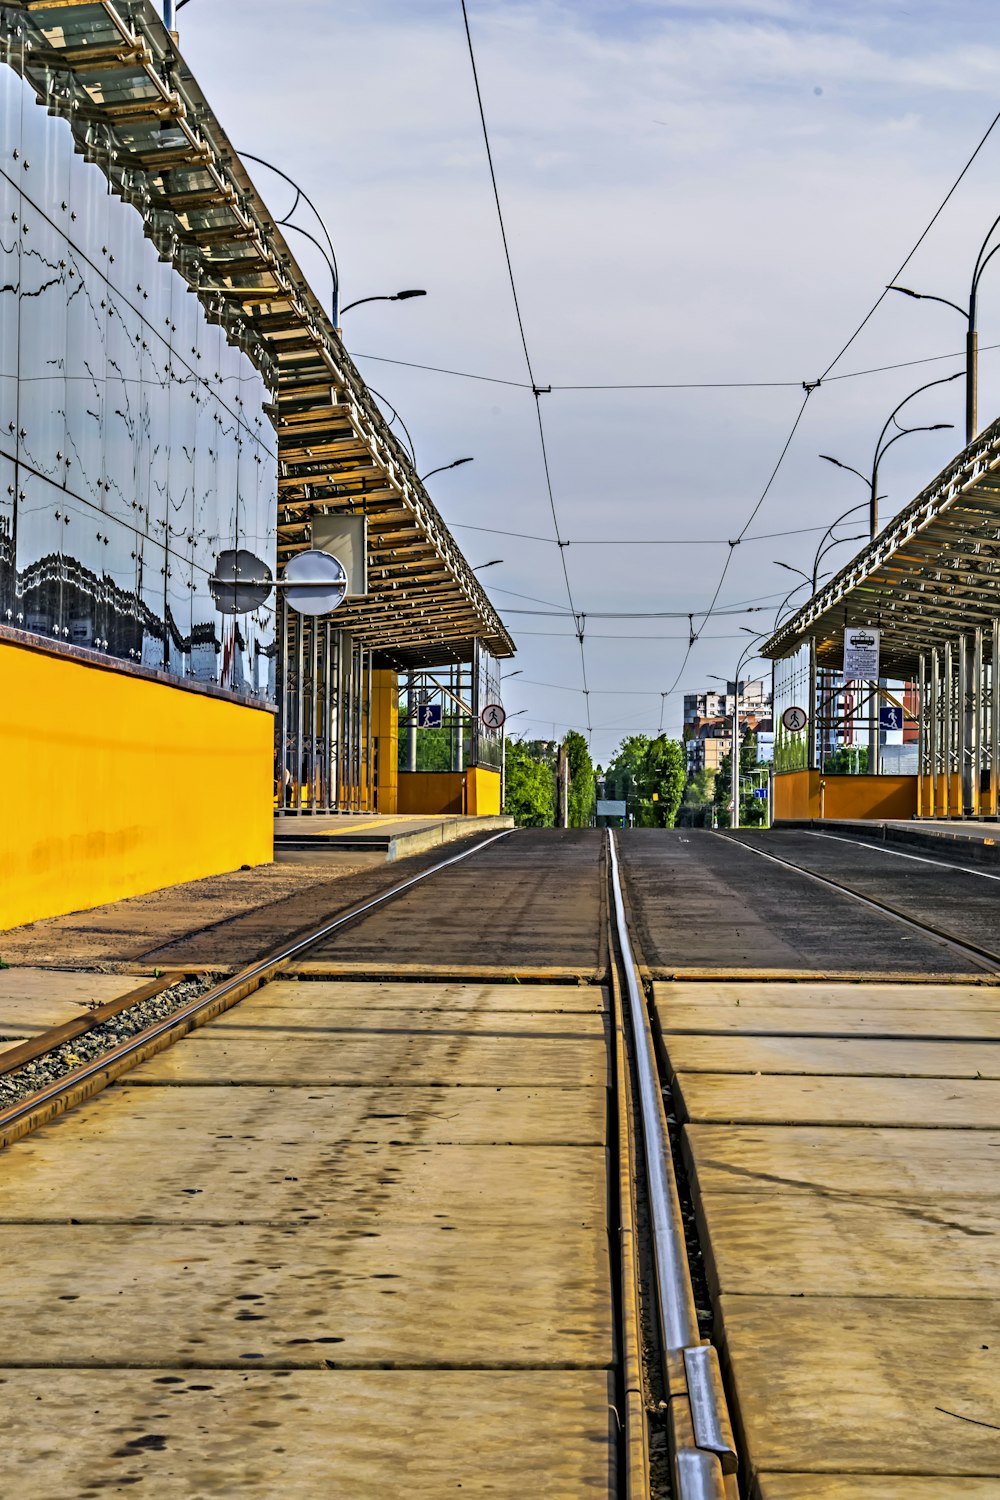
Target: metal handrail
<point x="703" y="1451"/>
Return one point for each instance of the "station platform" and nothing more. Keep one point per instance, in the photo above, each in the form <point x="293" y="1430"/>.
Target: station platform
<point x="395" y="837"/>
<point x="974" y="839"/>
<point x="843" y="1143"/>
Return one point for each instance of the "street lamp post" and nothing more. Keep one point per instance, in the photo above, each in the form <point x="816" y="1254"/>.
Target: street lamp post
<point x="442" y="467"/>
<point x="881" y="449"/>
<point x="971" y="331"/>
<point x="385" y="297"/>
<point x="734" y="753"/>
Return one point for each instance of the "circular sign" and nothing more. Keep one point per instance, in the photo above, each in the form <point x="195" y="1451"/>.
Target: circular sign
<point x="241" y="583"/>
<point x="795" y="720"/>
<point x="314" y="582"/>
<point x="494" y="716"/>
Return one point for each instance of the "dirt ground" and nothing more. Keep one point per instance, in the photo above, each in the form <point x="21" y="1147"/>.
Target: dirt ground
<point x="223" y="920"/>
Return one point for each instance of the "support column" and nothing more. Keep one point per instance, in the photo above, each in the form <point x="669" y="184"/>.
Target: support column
<point x="948" y="726"/>
<point x="976" y="706"/>
<point x="922" y="758"/>
<point x="994" y="731"/>
<point x="934" y="729"/>
<point x="964" y="725"/>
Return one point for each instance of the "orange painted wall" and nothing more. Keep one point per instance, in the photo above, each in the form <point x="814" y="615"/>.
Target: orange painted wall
<point x="798" y="794"/>
<point x="118" y="784"/>
<point x="475" y="791"/>
<point x="431" y="792"/>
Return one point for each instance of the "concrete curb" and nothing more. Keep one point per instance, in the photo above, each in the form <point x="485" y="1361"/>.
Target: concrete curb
<point x="443" y="833"/>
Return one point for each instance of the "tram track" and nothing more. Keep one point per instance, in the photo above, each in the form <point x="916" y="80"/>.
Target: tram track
<point x="976" y="954"/>
<point x="652" y="1243"/>
<point x="76" y="1084"/>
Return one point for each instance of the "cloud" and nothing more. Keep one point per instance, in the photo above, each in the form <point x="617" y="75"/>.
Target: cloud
<point x="681" y="205"/>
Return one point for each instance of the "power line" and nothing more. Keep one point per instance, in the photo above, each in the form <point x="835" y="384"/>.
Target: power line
<point x="668" y="385"/>
<point x="897" y="273"/>
<point x="536" y="390"/>
<point x="656" y="541"/>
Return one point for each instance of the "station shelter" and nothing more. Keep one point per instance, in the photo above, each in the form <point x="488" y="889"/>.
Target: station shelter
<point x="172" y="394"/>
<point x="927" y="589"/>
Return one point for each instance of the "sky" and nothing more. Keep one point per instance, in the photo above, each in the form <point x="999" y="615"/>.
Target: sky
<point x="702" y="195"/>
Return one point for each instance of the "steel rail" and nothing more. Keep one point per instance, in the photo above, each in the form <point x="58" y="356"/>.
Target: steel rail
<point x="887" y="848"/>
<point x="983" y="958"/>
<point x="703" y="1453"/>
<point x="214" y="1000"/>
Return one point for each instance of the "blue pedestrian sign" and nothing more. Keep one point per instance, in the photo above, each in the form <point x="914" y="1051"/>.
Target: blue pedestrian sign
<point x="890" y="716"/>
<point x="428" y="716"/>
<point x="761" y="792"/>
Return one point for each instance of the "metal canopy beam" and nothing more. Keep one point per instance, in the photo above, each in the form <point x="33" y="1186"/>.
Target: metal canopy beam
<point x="115" y="74"/>
<point x="932" y="574"/>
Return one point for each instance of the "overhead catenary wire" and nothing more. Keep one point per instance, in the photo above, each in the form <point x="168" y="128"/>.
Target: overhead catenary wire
<point x="658" y="541"/>
<point x="920" y="239"/>
<point x="667" y="385"/>
<point x="537" y="391"/>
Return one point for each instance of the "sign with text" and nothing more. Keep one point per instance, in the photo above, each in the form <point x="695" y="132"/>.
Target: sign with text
<point x="860" y="654"/>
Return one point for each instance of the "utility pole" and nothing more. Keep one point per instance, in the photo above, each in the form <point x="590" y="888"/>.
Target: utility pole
<point x="734" y="821"/>
<point x="563" y="787"/>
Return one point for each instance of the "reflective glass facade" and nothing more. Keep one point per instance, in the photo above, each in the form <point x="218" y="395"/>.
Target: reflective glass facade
<point x="134" y="443"/>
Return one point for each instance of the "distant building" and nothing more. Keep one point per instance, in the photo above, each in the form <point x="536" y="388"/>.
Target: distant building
<point x="711" y="739"/>
<point x="750" y="698"/>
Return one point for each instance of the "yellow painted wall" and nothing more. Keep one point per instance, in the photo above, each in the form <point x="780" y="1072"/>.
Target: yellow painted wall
<point x="385" y="725"/>
<point x="482" y="795"/>
<point x="798" y="794"/>
<point x="116" y="784"/>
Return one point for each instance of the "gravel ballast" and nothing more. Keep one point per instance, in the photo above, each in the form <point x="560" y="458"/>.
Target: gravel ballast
<point x="50" y="1067"/>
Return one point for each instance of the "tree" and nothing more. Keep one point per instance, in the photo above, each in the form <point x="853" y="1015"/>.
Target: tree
<point x="530" y="786"/>
<point x="666" y="772"/>
<point x="698" y="801"/>
<point x="849" y="760"/>
<point x="753" y="810"/>
<point x="581" y="780"/>
<point x="649" y="776"/>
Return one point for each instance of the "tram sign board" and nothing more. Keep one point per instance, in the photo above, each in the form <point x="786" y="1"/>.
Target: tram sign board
<point x="861" y="653"/>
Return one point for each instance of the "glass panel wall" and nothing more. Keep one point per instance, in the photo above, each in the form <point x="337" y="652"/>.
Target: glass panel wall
<point x="134" y="445"/>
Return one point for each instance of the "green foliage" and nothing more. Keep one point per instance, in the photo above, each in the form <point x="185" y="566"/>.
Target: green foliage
<point x="753" y="810"/>
<point x="580" y="801"/>
<point x="434" y="749"/>
<point x="649" y="775"/>
<point x="849" y="760"/>
<point x="530" y="785"/>
<point x="698" y="801"/>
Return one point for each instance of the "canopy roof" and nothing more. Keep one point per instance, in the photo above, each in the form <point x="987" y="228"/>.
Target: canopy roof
<point x="115" y="74"/>
<point x="931" y="574"/>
